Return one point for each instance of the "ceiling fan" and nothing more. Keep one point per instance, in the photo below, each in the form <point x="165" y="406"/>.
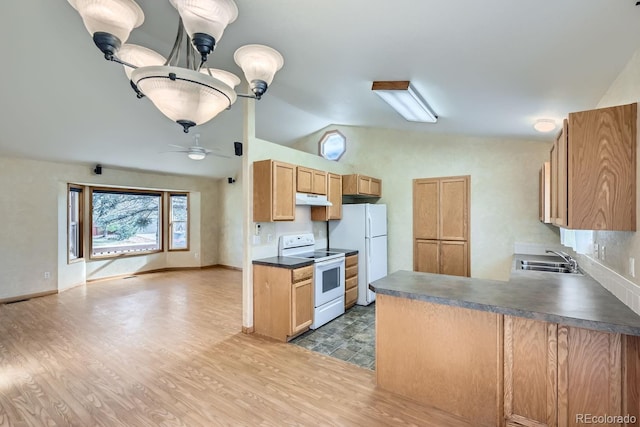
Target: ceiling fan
<point x="196" y="151"/>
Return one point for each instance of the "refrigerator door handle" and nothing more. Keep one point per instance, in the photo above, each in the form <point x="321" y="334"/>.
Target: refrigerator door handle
<point x="369" y="231"/>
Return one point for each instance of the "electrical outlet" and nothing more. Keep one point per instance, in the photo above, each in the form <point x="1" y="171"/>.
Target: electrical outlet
<point x="603" y="253"/>
<point x="47" y="275"/>
<point x="269" y="238"/>
<point x="596" y="250"/>
<point x="257" y="240"/>
<point x="632" y="267"/>
<point x="196" y="255"/>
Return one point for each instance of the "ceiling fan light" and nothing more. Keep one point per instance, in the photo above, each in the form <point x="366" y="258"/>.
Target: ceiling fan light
<point x="139" y="56"/>
<point x="206" y="16"/>
<point x="224" y="76"/>
<point x="259" y="63"/>
<point x="115" y="17"/>
<point x="182" y="94"/>
<point x="193" y="155"/>
<point x="544" y="125"/>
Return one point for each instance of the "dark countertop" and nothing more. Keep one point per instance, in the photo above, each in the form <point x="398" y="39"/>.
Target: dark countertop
<point x="283" y="262"/>
<point x="347" y="252"/>
<point x="572" y="300"/>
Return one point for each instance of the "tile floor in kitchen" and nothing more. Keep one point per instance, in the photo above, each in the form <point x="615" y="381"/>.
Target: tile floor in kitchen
<point x="350" y="337"/>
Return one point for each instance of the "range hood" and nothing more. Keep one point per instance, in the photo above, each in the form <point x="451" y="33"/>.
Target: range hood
<point x="312" y="200"/>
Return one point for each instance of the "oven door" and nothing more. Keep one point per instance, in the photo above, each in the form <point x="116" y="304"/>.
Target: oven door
<point x="328" y="281"/>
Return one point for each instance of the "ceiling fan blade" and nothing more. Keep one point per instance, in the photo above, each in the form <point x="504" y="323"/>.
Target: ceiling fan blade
<point x="177" y="146"/>
<point x="174" y="151"/>
<point x="219" y="155"/>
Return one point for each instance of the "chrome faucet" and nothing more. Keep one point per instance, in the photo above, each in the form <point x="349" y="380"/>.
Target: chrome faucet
<point x="573" y="263"/>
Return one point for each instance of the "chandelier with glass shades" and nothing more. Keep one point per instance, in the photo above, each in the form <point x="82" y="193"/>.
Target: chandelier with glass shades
<point x="190" y="94"/>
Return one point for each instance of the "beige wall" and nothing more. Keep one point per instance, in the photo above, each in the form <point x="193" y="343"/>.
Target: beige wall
<point x="33" y="236"/>
<point x="504" y="188"/>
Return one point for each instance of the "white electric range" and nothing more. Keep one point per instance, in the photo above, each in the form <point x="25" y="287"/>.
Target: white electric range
<point x="328" y="275"/>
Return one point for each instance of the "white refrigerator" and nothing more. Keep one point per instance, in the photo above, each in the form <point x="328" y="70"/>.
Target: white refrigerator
<point x="363" y="227"/>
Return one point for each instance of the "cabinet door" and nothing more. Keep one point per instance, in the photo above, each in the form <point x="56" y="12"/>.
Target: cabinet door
<point x="602" y="168"/>
<point x="334" y="195"/>
<point x="426" y="256"/>
<point x="562" y="149"/>
<point x="589" y="374"/>
<point x="304" y="180"/>
<point x="553" y="161"/>
<point x="376" y="187"/>
<point x="530" y="372"/>
<point x="301" y="305"/>
<point x="284" y="203"/>
<point x="454" y="205"/>
<point x="454" y="258"/>
<point x="364" y="184"/>
<point x="319" y="182"/>
<point x="426" y="195"/>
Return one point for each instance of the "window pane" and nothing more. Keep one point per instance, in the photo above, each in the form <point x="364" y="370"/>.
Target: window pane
<point x="125" y="223"/>
<point x="74" y="226"/>
<point x="179" y="222"/>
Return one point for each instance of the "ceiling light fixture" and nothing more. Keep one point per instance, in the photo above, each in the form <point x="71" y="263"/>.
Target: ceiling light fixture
<point x="544" y="125"/>
<point x="189" y="94"/>
<point x="404" y="98"/>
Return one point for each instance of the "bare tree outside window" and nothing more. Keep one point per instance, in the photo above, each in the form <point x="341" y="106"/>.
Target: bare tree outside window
<point x="125" y="222"/>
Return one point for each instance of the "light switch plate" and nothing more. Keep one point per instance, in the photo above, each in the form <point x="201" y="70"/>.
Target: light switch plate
<point x="632" y="267"/>
<point x="603" y="252"/>
<point x="596" y="251"/>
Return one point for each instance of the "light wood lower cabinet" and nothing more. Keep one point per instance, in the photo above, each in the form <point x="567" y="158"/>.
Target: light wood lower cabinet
<point x="554" y="374"/>
<point x="500" y="370"/>
<point x="282" y="301"/>
<point x="351" y="281"/>
<point x="442" y="257"/>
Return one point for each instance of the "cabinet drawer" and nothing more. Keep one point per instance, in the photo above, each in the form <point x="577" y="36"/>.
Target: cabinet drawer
<point x="351" y="271"/>
<point x="351" y="282"/>
<point x="301" y="273"/>
<point x="350" y="296"/>
<point x="351" y="261"/>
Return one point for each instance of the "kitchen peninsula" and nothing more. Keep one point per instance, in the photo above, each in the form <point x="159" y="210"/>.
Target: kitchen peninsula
<point x="538" y="350"/>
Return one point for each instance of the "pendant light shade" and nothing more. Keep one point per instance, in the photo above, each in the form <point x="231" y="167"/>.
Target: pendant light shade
<point x="185" y="96"/>
<point x="115" y="17"/>
<point x="259" y="64"/>
<point x="226" y="77"/>
<point x="190" y="94"/>
<point x="139" y="56"/>
<point x="206" y="16"/>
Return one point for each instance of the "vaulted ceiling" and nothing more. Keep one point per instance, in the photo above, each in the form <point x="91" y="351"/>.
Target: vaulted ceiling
<point x="488" y="68"/>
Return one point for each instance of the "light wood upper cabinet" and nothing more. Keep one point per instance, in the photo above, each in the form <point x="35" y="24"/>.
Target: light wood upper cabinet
<point x="311" y="181"/>
<point x="334" y="195"/>
<point x="544" y="202"/>
<point x="273" y="191"/>
<point x="441" y="208"/>
<point x="283" y="301"/>
<point x="357" y="185"/>
<point x="593" y="170"/>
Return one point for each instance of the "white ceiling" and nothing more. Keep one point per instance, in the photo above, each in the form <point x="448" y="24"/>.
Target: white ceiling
<point x="488" y="68"/>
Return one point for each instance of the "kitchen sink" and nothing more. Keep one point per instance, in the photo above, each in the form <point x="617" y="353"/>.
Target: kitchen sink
<point x="559" y="266"/>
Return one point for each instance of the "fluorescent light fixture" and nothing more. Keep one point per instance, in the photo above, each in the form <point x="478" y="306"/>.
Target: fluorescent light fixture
<point x="544" y="125"/>
<point x="404" y="98"/>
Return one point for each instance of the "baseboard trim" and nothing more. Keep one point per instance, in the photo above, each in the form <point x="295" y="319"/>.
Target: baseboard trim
<point x="157" y="270"/>
<point x="26" y="297"/>
<point x="248" y="330"/>
<point x="228" y="267"/>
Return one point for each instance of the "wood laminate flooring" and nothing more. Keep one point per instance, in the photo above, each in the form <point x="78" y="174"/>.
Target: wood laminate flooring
<point x="164" y="349"/>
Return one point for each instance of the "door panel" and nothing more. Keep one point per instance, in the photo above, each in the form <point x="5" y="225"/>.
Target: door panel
<point x="453" y="209"/>
<point x="377" y="258"/>
<point x="425" y="208"/>
<point x="426" y="256"/>
<point x="453" y="258"/>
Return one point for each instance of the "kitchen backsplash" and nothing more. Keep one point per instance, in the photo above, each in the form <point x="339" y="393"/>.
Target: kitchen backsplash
<point x="265" y="243"/>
